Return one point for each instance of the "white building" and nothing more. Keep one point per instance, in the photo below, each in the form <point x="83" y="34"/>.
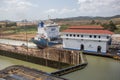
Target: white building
<point x="87" y="38"/>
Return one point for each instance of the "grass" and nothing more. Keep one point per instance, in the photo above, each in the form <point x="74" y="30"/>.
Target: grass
<point x="33" y="29"/>
<point x="63" y="27"/>
<point x="15" y="30"/>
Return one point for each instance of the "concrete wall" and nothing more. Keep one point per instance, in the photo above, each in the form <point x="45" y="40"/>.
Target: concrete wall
<point x="53" y="54"/>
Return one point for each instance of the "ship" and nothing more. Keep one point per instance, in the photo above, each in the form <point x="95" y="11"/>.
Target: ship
<point x="47" y="35"/>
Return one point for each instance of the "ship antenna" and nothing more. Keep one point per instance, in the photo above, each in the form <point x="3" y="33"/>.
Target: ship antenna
<point x="49" y="19"/>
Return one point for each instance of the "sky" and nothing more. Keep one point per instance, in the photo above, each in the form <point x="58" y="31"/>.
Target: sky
<point x="40" y="9"/>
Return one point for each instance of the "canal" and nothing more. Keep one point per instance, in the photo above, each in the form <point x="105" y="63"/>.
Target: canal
<point x="98" y="68"/>
<point x="7" y="61"/>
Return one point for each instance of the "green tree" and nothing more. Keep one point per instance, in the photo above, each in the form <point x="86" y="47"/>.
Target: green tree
<point x="112" y="26"/>
<point x="93" y="22"/>
<point x="106" y="26"/>
<point x="11" y="24"/>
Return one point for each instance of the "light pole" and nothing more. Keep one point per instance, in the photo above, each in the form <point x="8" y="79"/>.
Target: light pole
<point x="25" y="28"/>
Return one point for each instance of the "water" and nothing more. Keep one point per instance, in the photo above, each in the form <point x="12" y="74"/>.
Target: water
<point x="98" y="68"/>
<point x="7" y="61"/>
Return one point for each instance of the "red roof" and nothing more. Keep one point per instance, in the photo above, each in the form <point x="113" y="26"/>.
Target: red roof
<point x="88" y="31"/>
<point x="86" y="27"/>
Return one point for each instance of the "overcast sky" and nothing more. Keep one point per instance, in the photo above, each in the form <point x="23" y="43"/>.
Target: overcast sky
<point x="40" y="9"/>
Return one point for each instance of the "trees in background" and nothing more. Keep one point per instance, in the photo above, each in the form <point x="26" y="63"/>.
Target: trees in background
<point x="110" y="26"/>
<point x="10" y="24"/>
<point x="93" y="22"/>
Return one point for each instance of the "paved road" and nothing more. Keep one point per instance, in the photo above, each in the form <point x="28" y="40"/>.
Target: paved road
<point x="17" y="43"/>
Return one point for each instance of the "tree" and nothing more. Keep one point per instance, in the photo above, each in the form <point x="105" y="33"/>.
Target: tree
<point x="93" y="22"/>
<point x="112" y="26"/>
<point x="106" y="26"/>
<point x="11" y="24"/>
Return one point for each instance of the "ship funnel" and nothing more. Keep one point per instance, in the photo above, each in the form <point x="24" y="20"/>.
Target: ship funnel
<point x="41" y="24"/>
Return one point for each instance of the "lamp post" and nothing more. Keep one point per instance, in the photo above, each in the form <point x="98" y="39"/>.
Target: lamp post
<point x="25" y="28"/>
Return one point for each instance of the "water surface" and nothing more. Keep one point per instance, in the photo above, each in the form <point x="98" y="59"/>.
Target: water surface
<point x="98" y="68"/>
<point x="7" y="61"/>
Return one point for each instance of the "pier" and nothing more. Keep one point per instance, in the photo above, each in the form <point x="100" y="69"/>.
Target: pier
<point x="72" y="68"/>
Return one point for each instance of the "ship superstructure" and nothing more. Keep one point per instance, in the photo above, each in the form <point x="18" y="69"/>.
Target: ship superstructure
<point x="47" y="35"/>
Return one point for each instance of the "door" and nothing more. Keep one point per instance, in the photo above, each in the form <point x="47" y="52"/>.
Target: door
<point x="81" y="47"/>
<point x="99" y="49"/>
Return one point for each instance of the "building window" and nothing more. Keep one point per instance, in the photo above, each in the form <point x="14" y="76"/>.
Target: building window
<point x="70" y="35"/>
<point x="99" y="36"/>
<point x="53" y="29"/>
<point x="90" y="36"/>
<point x="66" y="34"/>
<point x="94" y="36"/>
<point x="74" y="35"/>
<point x="78" y="35"/>
<point x="81" y="35"/>
<point x="107" y="37"/>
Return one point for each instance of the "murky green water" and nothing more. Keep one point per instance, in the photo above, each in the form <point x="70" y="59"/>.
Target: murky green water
<point x="98" y="68"/>
<point x="7" y="61"/>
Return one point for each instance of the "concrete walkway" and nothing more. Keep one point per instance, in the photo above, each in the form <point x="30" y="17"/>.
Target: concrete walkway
<point x="17" y="43"/>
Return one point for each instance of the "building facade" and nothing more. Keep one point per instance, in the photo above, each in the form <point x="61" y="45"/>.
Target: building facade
<point x="87" y="38"/>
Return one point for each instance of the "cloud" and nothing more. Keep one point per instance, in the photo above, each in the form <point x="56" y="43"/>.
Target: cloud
<point x="60" y="11"/>
<point x="15" y="9"/>
<point x="51" y="11"/>
<point x="18" y="4"/>
<point x="65" y="10"/>
<point x="102" y="7"/>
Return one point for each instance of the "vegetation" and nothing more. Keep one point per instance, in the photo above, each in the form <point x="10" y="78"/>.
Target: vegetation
<point x="11" y="24"/>
<point x="93" y="22"/>
<point x="111" y="26"/>
<point x="63" y="27"/>
<point x="28" y="29"/>
<point x="15" y="29"/>
<point x="117" y="31"/>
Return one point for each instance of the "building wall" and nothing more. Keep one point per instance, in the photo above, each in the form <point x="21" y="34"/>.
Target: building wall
<point x="87" y="36"/>
<point x="89" y="45"/>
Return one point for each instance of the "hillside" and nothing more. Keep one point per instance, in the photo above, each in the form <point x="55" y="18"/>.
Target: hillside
<point x="83" y="20"/>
